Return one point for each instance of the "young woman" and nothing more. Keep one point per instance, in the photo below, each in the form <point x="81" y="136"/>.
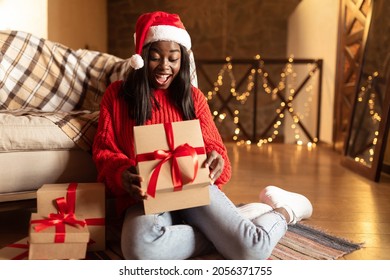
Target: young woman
<point x="157" y="90"/>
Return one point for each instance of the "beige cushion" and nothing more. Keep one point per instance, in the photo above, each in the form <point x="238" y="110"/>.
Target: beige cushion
<point x="29" y="132"/>
<point x="29" y="170"/>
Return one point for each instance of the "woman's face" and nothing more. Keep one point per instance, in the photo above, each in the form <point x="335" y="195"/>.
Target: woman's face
<point x="164" y="63"/>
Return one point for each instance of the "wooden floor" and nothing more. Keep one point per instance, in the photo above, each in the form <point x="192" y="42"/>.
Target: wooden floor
<point x="345" y="204"/>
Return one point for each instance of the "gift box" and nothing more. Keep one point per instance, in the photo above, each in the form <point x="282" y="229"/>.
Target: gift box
<point x="170" y="158"/>
<point x="57" y="237"/>
<point x="15" y="251"/>
<point x="84" y="199"/>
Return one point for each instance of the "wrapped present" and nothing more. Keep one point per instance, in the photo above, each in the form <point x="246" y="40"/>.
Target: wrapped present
<point x="170" y="158"/>
<point x="57" y="237"/>
<point x="84" y="199"/>
<point x="15" y="251"/>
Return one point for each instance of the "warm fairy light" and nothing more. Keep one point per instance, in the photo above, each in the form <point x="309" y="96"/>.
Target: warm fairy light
<point x="281" y="88"/>
<point x="367" y="94"/>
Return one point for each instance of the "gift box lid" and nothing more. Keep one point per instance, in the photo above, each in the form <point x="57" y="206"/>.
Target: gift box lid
<point x="152" y="137"/>
<point x="72" y="234"/>
<point x="90" y="198"/>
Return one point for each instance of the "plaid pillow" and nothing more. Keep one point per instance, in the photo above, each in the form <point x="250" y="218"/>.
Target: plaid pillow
<point x="41" y="77"/>
<point x="39" y="74"/>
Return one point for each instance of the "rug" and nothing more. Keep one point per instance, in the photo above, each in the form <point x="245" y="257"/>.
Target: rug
<point x="301" y="242"/>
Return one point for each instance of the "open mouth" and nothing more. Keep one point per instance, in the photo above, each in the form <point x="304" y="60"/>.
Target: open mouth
<point x="162" y="79"/>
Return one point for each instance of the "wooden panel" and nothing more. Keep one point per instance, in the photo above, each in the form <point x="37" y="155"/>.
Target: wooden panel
<point x="353" y="27"/>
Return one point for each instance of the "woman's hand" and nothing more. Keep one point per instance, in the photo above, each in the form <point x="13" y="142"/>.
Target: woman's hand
<point x="131" y="182"/>
<point x="215" y="163"/>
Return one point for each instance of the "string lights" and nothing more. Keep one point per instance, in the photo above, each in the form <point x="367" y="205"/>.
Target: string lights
<point x="369" y="94"/>
<point x="286" y="82"/>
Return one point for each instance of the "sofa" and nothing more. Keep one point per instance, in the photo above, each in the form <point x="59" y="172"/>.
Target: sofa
<point x="49" y="110"/>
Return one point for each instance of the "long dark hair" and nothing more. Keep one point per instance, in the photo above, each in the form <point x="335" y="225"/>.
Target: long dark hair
<point x="139" y="96"/>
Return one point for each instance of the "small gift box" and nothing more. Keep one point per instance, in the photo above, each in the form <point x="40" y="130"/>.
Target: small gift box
<point x="170" y="158"/>
<point x="84" y="199"/>
<point x="15" y="251"/>
<point x="57" y="237"/>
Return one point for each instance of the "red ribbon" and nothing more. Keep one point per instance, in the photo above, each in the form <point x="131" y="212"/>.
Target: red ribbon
<point x="65" y="216"/>
<point x="71" y="206"/>
<point x="95" y="221"/>
<point x="21" y="256"/>
<point x="59" y="221"/>
<point x="165" y="155"/>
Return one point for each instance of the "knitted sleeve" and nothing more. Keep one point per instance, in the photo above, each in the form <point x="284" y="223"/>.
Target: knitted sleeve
<point x="110" y="161"/>
<point x="211" y="136"/>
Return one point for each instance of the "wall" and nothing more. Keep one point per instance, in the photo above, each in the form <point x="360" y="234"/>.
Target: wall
<point x="78" y="23"/>
<point x="74" y="23"/>
<point x="24" y="15"/>
<point x="312" y="32"/>
<point x="218" y="28"/>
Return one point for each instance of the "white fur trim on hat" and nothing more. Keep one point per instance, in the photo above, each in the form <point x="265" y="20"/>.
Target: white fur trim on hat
<point x="168" y="33"/>
<point x="136" y="61"/>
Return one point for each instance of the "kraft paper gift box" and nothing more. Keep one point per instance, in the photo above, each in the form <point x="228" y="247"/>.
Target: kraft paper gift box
<point x="57" y="241"/>
<point x="15" y="251"/>
<point x="87" y="200"/>
<point x="158" y="147"/>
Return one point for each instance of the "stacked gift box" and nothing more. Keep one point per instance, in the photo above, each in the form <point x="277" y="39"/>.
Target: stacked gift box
<point x="70" y="221"/>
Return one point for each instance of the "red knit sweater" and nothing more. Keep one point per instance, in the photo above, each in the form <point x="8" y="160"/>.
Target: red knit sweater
<point x="113" y="147"/>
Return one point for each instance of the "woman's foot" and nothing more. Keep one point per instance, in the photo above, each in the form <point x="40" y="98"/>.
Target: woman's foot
<point x="297" y="205"/>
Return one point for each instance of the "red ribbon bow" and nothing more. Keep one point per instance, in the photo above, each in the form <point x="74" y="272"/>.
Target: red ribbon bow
<point x="173" y="153"/>
<point x="65" y="216"/>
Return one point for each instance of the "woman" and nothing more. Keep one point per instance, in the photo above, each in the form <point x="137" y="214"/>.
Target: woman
<point x="159" y="90"/>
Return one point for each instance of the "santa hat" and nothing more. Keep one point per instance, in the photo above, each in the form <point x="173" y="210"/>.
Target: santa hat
<point x="157" y="26"/>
